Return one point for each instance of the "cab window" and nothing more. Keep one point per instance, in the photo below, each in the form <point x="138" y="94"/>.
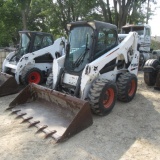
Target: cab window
<point x="47" y="41"/>
<point x="37" y="43"/>
<point x="42" y="42"/>
<point x="107" y="39"/>
<point x="147" y="32"/>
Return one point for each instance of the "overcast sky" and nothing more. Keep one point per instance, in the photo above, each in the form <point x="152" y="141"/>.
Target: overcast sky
<point x="155" y="21"/>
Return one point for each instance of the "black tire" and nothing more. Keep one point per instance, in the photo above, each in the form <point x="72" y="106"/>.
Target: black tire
<point x="102" y="96"/>
<point x="152" y="63"/>
<point x="141" y="61"/>
<point x="49" y="82"/>
<point x="127" y="86"/>
<point x="150" y="76"/>
<point x="32" y="75"/>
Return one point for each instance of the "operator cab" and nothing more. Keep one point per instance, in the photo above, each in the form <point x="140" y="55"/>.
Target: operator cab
<point x="87" y="42"/>
<point x="31" y="41"/>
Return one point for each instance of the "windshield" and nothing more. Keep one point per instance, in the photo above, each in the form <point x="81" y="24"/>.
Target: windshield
<point x="80" y="40"/>
<point x="24" y="45"/>
<point x="138" y="29"/>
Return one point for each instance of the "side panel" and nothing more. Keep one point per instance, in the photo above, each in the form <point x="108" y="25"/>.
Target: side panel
<point x="28" y="59"/>
<point x="6" y="61"/>
<point x="57" y="65"/>
<point x="91" y="71"/>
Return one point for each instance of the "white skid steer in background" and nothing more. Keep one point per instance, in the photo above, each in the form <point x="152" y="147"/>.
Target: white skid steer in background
<point x="95" y="71"/>
<point x="31" y="62"/>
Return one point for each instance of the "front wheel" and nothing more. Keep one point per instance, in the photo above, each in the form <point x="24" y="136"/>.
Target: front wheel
<point x="32" y="75"/>
<point x="102" y="96"/>
<point x="127" y="87"/>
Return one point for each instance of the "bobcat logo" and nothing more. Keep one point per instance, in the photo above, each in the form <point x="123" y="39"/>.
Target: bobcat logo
<point x="95" y="68"/>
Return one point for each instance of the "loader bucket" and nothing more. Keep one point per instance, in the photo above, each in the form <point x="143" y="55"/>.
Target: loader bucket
<point x="58" y="115"/>
<point x="8" y="84"/>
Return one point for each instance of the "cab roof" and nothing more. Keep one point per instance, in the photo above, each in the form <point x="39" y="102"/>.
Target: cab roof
<point x="95" y="24"/>
<point x="35" y="32"/>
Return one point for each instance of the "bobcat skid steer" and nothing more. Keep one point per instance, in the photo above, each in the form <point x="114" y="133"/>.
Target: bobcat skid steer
<point x="30" y="62"/>
<point x="95" y="71"/>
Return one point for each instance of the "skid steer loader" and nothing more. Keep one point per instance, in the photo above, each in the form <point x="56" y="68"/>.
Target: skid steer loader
<point x="95" y="71"/>
<point x="31" y="62"/>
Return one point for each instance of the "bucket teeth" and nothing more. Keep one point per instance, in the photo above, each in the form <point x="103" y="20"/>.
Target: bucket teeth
<point x="41" y="128"/>
<point x="33" y="123"/>
<point x="9" y="108"/>
<point x="20" y="115"/>
<point x="26" y="119"/>
<point x="15" y="111"/>
<point x="49" y="133"/>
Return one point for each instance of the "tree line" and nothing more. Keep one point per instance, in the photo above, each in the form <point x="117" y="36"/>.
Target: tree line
<point x="53" y="15"/>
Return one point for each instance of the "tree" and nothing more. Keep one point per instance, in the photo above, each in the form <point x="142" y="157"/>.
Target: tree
<point x="25" y="7"/>
<point x="10" y="22"/>
<point x="66" y="11"/>
<point x="49" y="16"/>
<point x="124" y="11"/>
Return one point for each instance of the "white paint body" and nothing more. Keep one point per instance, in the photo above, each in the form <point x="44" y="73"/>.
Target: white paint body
<point x="27" y="60"/>
<point x="89" y="73"/>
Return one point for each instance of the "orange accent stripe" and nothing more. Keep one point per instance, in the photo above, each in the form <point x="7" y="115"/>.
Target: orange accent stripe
<point x="112" y="52"/>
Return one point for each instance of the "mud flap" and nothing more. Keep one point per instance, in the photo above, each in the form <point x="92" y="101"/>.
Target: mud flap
<point x="8" y="84"/>
<point x="58" y="115"/>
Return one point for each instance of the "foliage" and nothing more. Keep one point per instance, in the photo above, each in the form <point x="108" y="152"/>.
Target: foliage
<point x="10" y="22"/>
<point x="155" y="45"/>
<point x="52" y="16"/>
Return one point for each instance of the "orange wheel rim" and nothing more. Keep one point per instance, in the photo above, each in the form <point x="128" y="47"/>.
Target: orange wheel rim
<point x="108" y="98"/>
<point x="34" y="77"/>
<point x="132" y="88"/>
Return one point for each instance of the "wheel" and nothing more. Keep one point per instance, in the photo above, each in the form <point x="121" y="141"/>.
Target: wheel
<point x="102" y="96"/>
<point x="150" y="77"/>
<point x="49" y="82"/>
<point x="141" y="61"/>
<point x="152" y="63"/>
<point x="127" y="86"/>
<point x="32" y="75"/>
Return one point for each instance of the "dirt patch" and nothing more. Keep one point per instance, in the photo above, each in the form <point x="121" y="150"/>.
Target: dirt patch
<point x="130" y="132"/>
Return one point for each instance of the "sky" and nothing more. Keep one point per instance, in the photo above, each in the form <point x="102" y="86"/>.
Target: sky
<point x="155" y="21"/>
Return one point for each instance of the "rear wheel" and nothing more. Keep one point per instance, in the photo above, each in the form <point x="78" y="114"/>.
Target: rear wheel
<point x="32" y="75"/>
<point x="127" y="87"/>
<point x="49" y="82"/>
<point x="150" y="76"/>
<point x="102" y="96"/>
